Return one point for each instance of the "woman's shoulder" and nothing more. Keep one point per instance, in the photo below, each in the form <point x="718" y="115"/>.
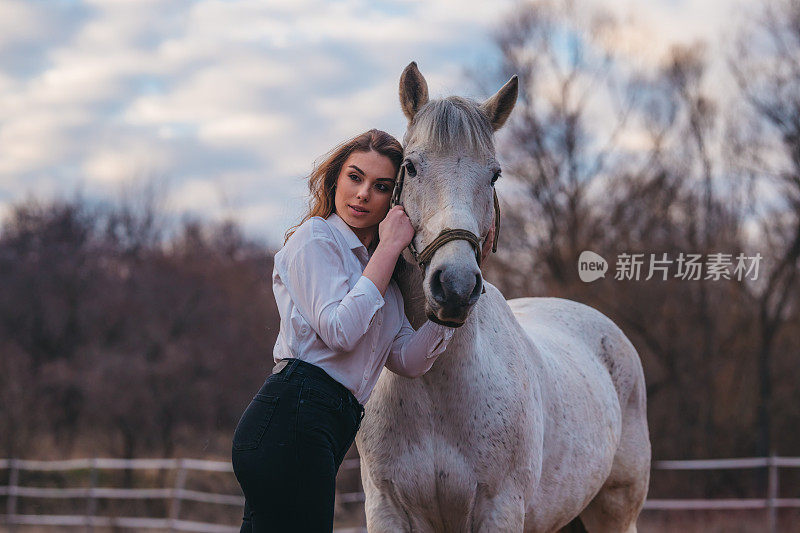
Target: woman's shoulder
<point x="315" y="229"/>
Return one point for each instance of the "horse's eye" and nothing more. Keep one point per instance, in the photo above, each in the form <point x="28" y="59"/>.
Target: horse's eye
<point x="496" y="175"/>
<point x="410" y="170"/>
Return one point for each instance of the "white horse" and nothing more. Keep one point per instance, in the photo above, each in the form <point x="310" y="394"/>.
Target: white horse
<point x="536" y="412"/>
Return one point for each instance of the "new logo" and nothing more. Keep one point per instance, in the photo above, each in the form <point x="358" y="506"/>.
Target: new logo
<point x="591" y="266"/>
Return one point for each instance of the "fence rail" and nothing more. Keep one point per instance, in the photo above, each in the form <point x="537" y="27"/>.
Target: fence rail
<point x="771" y="503"/>
<point x="178" y="493"/>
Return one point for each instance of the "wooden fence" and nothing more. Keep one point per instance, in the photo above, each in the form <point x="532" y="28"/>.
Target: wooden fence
<point x="772" y="502"/>
<point x="178" y="493"/>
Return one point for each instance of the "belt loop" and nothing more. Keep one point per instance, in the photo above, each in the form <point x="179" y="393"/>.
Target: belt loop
<point x="290" y="367"/>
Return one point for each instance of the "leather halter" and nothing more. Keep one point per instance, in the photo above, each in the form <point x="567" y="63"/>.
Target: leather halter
<point x="447" y="234"/>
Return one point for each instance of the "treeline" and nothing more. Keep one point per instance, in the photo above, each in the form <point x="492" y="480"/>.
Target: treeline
<point x="682" y="156"/>
<point x="121" y="338"/>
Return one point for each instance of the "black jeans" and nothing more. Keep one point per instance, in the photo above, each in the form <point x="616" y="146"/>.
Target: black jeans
<point x="288" y="447"/>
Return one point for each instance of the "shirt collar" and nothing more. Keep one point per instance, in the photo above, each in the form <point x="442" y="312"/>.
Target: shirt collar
<point x="350" y="238"/>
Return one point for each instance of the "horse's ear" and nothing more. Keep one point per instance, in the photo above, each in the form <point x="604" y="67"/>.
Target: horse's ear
<point x="413" y="90"/>
<point x="499" y="106"/>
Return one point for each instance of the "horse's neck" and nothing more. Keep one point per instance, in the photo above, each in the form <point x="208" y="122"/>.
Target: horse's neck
<point x="409" y="281"/>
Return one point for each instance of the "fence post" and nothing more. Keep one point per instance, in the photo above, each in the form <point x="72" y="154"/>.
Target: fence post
<point x="11" y="504"/>
<point x="772" y="494"/>
<point x="177" y="493"/>
<point x="91" y="499"/>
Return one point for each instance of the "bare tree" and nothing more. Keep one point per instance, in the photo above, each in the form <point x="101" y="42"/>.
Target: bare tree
<point x="648" y="174"/>
<point x="109" y="329"/>
<point x="766" y="64"/>
<point x="571" y="110"/>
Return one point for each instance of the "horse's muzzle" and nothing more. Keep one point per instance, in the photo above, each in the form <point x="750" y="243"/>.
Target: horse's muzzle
<point x="452" y="293"/>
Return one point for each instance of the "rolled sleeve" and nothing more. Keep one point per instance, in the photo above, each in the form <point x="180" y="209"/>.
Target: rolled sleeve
<point x="367" y="287"/>
<point x="414" y="352"/>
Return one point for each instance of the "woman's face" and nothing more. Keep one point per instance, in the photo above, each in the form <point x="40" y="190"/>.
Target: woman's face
<point x="364" y="190"/>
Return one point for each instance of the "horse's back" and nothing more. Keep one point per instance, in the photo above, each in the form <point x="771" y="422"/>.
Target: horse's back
<point x="575" y="326"/>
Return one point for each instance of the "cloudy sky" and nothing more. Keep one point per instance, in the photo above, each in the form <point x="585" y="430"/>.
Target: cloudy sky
<point x="230" y="102"/>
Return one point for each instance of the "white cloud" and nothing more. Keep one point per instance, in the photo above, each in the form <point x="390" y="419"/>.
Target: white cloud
<point x="18" y="21"/>
<point x="36" y="139"/>
<point x="354" y="112"/>
<point x="271" y="218"/>
<point x="197" y="195"/>
<point x="244" y="129"/>
<point x="646" y="32"/>
<point x="110" y="166"/>
<point x="241" y="95"/>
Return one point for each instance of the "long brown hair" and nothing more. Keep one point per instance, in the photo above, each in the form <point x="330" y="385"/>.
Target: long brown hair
<point x="322" y="181"/>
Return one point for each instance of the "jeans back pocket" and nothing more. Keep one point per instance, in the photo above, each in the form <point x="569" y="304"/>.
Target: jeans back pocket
<point x="254" y="422"/>
<point x="324" y="400"/>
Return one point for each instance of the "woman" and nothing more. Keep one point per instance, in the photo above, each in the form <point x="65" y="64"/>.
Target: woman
<point x="342" y="321"/>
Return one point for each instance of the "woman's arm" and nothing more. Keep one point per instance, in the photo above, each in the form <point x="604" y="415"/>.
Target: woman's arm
<point x="315" y="277"/>
<point x="414" y="352"/>
<point x="395" y="233"/>
<point x="381" y="265"/>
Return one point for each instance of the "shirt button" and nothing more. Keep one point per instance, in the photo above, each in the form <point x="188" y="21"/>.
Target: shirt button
<point x="365" y="378"/>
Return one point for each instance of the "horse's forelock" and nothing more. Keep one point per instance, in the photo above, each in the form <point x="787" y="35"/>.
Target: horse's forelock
<point x="449" y="125"/>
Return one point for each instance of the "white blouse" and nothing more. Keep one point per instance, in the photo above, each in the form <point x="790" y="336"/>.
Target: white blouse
<point x="327" y="307"/>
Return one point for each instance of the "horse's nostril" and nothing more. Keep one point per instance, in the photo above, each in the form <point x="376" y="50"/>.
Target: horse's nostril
<point x="448" y="292"/>
<point x="476" y="291"/>
<point x="437" y="291"/>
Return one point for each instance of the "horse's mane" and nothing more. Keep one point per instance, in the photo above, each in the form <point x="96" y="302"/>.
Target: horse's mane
<point x="452" y="123"/>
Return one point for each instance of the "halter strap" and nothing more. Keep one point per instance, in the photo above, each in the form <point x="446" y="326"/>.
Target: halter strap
<point x="398" y="187"/>
<point x="446" y="235"/>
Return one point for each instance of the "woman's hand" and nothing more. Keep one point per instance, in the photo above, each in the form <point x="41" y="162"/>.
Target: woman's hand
<point x="396" y="231"/>
<point x="487" y="243"/>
